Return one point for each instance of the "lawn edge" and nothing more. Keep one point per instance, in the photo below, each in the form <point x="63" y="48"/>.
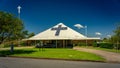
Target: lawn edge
<point x="58" y="59"/>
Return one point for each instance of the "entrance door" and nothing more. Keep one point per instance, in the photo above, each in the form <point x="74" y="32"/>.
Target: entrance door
<point x="69" y="44"/>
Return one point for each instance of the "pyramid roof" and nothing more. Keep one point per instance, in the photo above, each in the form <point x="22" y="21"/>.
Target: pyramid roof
<point x="60" y="32"/>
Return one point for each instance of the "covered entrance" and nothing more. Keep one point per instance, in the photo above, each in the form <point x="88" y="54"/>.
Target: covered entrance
<point x="58" y="43"/>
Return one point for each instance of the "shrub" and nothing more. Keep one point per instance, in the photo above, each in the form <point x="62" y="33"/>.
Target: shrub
<point x="106" y="45"/>
<point x="1" y="45"/>
<point x="6" y="45"/>
<point x="81" y="44"/>
<point x="117" y="46"/>
<point x="95" y="44"/>
<point x="22" y="43"/>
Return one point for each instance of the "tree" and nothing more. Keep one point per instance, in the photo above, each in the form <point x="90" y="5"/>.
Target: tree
<point x="26" y="34"/>
<point x="105" y="40"/>
<point x="10" y="27"/>
<point x="31" y="34"/>
<point x="116" y="37"/>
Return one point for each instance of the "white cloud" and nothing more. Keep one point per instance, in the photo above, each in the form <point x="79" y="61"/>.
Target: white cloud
<point x="98" y="33"/>
<point x="109" y="36"/>
<point x="78" y="26"/>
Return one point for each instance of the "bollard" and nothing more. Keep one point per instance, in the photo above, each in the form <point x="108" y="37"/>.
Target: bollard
<point x="11" y="48"/>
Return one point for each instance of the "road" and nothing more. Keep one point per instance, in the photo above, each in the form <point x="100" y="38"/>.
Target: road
<point x="8" y="62"/>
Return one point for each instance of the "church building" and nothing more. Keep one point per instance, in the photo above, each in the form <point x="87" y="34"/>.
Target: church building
<point x="62" y="36"/>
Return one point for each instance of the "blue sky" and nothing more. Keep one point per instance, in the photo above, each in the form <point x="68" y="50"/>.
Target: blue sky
<point x="38" y="15"/>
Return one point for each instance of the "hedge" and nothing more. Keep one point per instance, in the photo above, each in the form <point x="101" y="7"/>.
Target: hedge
<point x="106" y="45"/>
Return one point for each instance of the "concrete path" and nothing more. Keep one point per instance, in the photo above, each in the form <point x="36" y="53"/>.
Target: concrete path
<point x="8" y="62"/>
<point x="17" y="48"/>
<point x="109" y="56"/>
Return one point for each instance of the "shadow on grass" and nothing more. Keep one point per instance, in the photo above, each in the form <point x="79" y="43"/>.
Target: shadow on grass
<point x="5" y="53"/>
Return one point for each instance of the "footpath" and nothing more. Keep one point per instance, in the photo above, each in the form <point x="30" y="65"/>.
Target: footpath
<point x="109" y="56"/>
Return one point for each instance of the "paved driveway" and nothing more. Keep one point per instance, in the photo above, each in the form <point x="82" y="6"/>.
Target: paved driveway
<point x="109" y="56"/>
<point x="7" y="62"/>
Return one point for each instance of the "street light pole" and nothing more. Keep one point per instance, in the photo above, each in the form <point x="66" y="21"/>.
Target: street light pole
<point x="19" y="8"/>
<point x="86" y="34"/>
<point x="85" y="27"/>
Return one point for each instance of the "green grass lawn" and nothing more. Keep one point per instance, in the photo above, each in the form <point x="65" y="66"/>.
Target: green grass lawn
<point x="104" y="49"/>
<point x="58" y="53"/>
